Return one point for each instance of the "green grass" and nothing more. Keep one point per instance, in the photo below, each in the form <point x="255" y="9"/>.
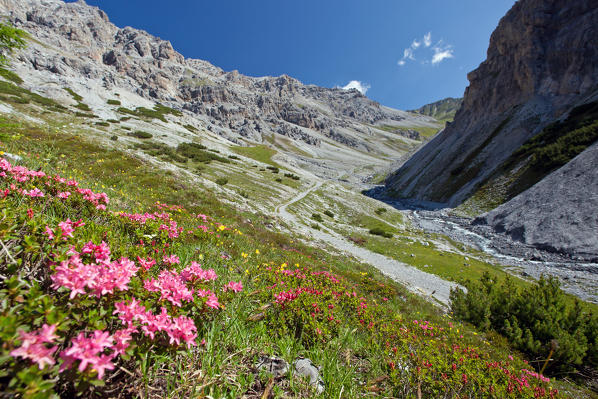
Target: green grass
<point x="250" y="324"/>
<point x="11" y="76"/>
<point x="113" y="102"/>
<point x="260" y="153"/>
<point x="24" y="96"/>
<point x="75" y="96"/>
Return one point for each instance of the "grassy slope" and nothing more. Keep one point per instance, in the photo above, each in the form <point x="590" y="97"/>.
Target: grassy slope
<point x="353" y="357"/>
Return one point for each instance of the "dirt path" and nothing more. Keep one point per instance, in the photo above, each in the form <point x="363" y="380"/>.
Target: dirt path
<point x="417" y="281"/>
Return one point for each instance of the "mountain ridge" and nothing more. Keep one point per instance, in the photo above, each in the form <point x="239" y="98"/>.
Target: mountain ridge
<point x="77" y="46"/>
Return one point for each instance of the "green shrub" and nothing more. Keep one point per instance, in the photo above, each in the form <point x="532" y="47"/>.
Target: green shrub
<point x="191" y="128"/>
<point x="114" y="138"/>
<point x="291" y="176"/>
<point x="10" y="75"/>
<point x="112" y="121"/>
<point x="278" y="179"/>
<point x="380" y="232"/>
<point x="233" y="157"/>
<point x="315" y="226"/>
<point x="221" y="181"/>
<point x="273" y="169"/>
<point x="83" y="107"/>
<point x="102" y="123"/>
<point x="75" y="96"/>
<point x="198" y="153"/>
<point x="328" y="213"/>
<point x="380" y="211"/>
<point x="317" y="217"/>
<point x="113" y="102"/>
<point x="85" y="115"/>
<point x="141" y="134"/>
<point x="533" y="319"/>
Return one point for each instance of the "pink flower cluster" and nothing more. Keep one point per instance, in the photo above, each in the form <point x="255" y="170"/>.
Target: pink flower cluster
<point x="179" y="329"/>
<point x="171" y="287"/>
<point x="100" y="200"/>
<point x="21" y="174"/>
<point x="171" y="260"/>
<point x="290" y="295"/>
<point x="233" y="286"/>
<point x="100" y="278"/>
<point x="172" y="229"/>
<point x="142" y="218"/>
<point x="536" y="375"/>
<point x="33" y="348"/>
<point x="212" y="301"/>
<point x="66" y="229"/>
<point x="146" y="263"/>
<point x="89" y="352"/>
<point x="195" y="272"/>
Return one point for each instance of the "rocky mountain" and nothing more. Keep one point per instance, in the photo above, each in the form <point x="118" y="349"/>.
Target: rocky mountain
<point x="562" y="225"/>
<point x="530" y="108"/>
<point x="444" y="109"/>
<point x="76" y="46"/>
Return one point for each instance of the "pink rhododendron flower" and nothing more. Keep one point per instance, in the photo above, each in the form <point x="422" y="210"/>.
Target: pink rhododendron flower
<point x="194" y="271"/>
<point x="180" y="329"/>
<point x="233" y="286"/>
<point x="99" y="278"/>
<point x="36" y="192"/>
<point x="171" y="287"/>
<point x="146" y="263"/>
<point x="33" y="348"/>
<point x="172" y="229"/>
<point x="171" y="260"/>
<point x="89" y="352"/>
<point x="64" y="195"/>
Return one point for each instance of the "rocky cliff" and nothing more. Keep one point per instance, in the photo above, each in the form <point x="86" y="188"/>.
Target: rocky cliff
<point x="542" y="60"/>
<point x="76" y="46"/>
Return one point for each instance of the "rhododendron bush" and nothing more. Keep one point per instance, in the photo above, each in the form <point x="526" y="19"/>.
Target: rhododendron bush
<point x="75" y="308"/>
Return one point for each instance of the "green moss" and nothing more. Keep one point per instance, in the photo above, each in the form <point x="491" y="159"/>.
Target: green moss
<point x="113" y="102"/>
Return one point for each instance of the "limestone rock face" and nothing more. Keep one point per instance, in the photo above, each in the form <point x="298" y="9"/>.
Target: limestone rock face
<point x="542" y="60"/>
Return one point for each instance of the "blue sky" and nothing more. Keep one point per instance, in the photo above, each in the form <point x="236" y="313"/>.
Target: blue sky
<point x="406" y="53"/>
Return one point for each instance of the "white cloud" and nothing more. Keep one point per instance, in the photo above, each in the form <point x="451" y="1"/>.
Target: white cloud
<point x="440" y="55"/>
<point x="356" y="84"/>
<point x="428" y="39"/>
<point x="434" y="55"/>
<point x="441" y="52"/>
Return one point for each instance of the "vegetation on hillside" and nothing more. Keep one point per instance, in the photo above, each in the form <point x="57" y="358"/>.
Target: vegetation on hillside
<point x="443" y="110"/>
<point x="538" y="320"/>
<point x="105" y="296"/>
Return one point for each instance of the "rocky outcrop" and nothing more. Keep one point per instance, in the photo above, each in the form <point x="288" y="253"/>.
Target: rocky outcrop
<point x="542" y="60"/>
<point x="557" y="214"/>
<point x="76" y="42"/>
